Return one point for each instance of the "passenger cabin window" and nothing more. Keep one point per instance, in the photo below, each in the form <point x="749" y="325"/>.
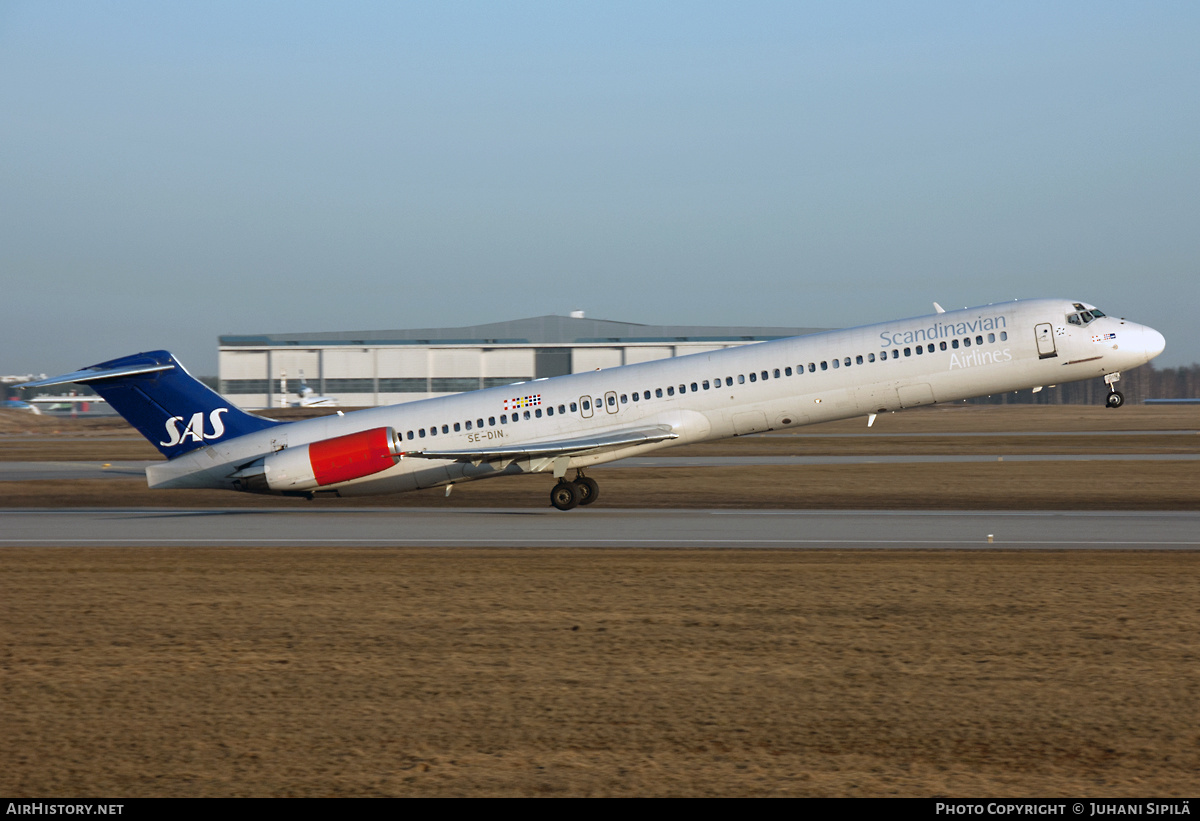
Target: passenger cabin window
<point x="753" y="377"/>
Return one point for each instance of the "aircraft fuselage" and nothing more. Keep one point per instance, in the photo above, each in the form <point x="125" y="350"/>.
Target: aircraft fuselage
<point x="765" y="386"/>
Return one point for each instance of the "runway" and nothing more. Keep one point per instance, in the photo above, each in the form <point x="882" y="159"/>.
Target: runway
<point x="606" y="528"/>
<point x="20" y="471"/>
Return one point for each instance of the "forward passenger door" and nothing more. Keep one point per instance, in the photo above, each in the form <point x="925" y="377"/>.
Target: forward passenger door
<point x="1044" y="334"/>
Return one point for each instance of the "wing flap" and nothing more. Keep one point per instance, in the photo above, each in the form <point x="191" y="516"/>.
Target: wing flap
<point x="559" y="447"/>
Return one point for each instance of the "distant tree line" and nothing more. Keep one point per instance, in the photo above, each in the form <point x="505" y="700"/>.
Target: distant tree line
<point x="1138" y="385"/>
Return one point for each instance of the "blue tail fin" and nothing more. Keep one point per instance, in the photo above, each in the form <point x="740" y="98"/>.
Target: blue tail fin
<point x="167" y="405"/>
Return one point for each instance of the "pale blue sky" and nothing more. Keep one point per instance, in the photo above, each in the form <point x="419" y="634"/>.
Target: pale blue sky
<point x="170" y="172"/>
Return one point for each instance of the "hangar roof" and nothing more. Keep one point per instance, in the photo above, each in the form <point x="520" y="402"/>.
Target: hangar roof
<point x="538" y="330"/>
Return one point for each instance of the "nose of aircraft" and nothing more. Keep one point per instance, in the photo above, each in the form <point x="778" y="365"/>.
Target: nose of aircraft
<point x="1153" y="341"/>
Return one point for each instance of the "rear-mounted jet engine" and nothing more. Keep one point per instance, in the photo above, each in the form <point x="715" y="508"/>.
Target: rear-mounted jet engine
<point x="322" y="463"/>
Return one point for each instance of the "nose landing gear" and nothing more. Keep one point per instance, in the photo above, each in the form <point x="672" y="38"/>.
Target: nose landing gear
<point x="1115" y="398"/>
<point x="583" y="491"/>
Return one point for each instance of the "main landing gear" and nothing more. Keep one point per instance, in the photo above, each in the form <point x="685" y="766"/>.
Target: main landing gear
<point x="583" y="491"/>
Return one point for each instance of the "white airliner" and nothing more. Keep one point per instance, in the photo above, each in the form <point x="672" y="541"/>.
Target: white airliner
<point x="569" y="423"/>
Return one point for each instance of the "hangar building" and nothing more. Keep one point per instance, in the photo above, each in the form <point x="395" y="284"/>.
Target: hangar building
<point x="385" y="367"/>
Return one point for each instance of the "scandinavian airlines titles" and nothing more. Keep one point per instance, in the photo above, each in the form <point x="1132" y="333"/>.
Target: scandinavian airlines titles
<point x="194" y="432"/>
<point x="942" y="330"/>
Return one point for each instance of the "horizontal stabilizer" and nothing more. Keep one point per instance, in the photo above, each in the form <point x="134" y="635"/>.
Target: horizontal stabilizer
<point x="96" y="374"/>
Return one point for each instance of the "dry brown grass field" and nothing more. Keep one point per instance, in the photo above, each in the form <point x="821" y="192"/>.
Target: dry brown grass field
<point x="269" y="672"/>
<point x="285" y="671"/>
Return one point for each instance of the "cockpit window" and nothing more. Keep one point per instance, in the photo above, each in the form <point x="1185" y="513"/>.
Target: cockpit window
<point x="1083" y="317"/>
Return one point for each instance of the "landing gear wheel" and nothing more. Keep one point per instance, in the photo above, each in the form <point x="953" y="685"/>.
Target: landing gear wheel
<point x="1115" y="400"/>
<point x="589" y="491"/>
<point x="564" y="496"/>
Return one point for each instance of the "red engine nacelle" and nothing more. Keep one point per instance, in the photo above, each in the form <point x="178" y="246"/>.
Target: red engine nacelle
<point x="330" y="461"/>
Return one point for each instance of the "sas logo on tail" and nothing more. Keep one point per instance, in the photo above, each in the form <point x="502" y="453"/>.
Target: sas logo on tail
<point x="194" y="432"/>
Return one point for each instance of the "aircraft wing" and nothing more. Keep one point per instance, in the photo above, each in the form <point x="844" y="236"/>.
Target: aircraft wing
<point x="554" y="448"/>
